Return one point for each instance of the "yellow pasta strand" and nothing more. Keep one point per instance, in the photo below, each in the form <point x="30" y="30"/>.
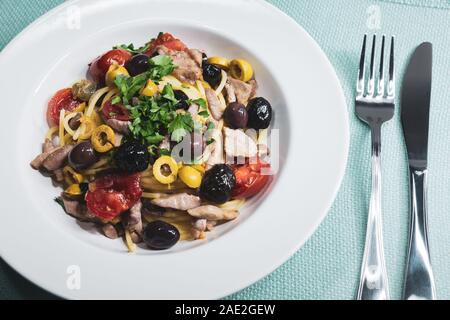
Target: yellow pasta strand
<point x="108" y="96"/>
<point x="130" y="244"/>
<point x="94" y="99"/>
<point x="222" y="83"/>
<point x="61" y="127"/>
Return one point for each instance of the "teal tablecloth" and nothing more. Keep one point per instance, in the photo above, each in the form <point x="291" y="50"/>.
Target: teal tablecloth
<point x="327" y="267"/>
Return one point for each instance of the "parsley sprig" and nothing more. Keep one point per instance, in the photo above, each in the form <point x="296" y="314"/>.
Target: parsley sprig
<point x="154" y="117"/>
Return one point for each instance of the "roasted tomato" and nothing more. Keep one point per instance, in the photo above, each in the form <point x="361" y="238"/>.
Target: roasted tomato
<point x="63" y="99"/>
<point x="249" y="179"/>
<point x="112" y="194"/>
<point x="115" y="111"/>
<point x="99" y="67"/>
<point x="167" y="40"/>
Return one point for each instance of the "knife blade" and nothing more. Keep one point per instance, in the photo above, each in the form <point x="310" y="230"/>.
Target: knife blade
<point x="415" y="105"/>
<point x="415" y="115"/>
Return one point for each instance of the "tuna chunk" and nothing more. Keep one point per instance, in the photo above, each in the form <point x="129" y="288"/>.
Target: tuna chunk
<point x="198" y="228"/>
<point x="57" y="158"/>
<point x="238" y="144"/>
<point x="110" y="231"/>
<point x="119" y="126"/>
<point x="47" y="148"/>
<point x="216" y="156"/>
<point x="78" y="210"/>
<point x="213" y="213"/>
<point x="196" y="55"/>
<point x="133" y="219"/>
<point x="214" y="104"/>
<point x="188" y="70"/>
<point x="243" y="91"/>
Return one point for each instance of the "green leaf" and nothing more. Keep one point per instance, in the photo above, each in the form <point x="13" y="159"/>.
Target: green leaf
<point x="211" y="126"/>
<point x="200" y="102"/>
<point x="164" y="152"/>
<point x="115" y="100"/>
<point x="161" y="66"/>
<point x="181" y="125"/>
<point x="204" y="114"/>
<point x="168" y="93"/>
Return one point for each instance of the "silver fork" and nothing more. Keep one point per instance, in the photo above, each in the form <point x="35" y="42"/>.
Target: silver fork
<point x="374" y="105"/>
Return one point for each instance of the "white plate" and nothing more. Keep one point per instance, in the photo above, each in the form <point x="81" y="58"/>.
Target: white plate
<point x="50" y="248"/>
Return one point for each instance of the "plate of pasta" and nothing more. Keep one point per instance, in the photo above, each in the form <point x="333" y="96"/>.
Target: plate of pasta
<point x="166" y="153"/>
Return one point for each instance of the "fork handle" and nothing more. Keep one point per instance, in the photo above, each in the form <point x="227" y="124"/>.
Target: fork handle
<point x="374" y="283"/>
<point x="419" y="279"/>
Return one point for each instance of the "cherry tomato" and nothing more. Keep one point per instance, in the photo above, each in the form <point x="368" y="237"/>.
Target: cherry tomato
<point x="115" y="111"/>
<point x="63" y="99"/>
<point x="99" y="67"/>
<point x="167" y="40"/>
<point x="113" y="194"/>
<point x="249" y="180"/>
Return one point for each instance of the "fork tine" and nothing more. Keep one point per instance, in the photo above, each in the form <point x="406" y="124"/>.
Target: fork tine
<point x="381" y="85"/>
<point x="360" y="84"/>
<point x="391" y="85"/>
<point x="371" y="89"/>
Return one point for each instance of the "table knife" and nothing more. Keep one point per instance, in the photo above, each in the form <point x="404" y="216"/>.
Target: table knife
<point x="415" y="114"/>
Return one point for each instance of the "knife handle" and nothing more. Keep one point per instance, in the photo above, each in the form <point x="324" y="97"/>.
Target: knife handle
<point x="419" y="279"/>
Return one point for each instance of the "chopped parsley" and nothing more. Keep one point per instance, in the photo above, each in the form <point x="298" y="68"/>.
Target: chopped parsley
<point x="181" y="125"/>
<point x="160" y="66"/>
<point x="203" y="111"/>
<point x="152" y="118"/>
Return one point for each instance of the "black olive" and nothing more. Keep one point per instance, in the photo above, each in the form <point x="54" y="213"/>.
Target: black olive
<point x="259" y="113"/>
<point x="149" y="208"/>
<point x="217" y="184"/>
<point x="160" y="235"/>
<point x="236" y="116"/>
<point x="132" y="156"/>
<point x="137" y="64"/>
<point x="212" y="74"/>
<point x="182" y="100"/>
<point x="82" y="156"/>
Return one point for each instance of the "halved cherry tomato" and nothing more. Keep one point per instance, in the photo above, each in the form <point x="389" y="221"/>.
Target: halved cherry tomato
<point x="63" y="99"/>
<point x="99" y="67"/>
<point x="115" y="111"/>
<point x="249" y="180"/>
<point x="167" y="40"/>
<point x="113" y="194"/>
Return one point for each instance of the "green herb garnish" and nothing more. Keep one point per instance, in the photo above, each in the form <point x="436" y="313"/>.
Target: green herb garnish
<point x="130" y="48"/>
<point x="160" y="66"/>
<point x="154" y="117"/>
<point x="181" y="125"/>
